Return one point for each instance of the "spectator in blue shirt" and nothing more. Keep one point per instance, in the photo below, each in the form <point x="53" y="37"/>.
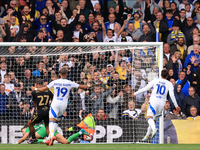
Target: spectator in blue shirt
<point x="42" y="22"/>
<point x="195" y="53"/>
<point x="39" y="71"/>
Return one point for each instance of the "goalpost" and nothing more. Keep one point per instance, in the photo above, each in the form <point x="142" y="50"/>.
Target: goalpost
<point x="96" y="63"/>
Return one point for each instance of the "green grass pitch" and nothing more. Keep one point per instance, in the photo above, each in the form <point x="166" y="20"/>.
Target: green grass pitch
<point x="99" y="147"/>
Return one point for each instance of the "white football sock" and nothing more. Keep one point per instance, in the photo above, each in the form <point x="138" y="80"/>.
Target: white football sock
<point x="148" y="131"/>
<point x="52" y="129"/>
<point x="151" y="123"/>
<point x="44" y="140"/>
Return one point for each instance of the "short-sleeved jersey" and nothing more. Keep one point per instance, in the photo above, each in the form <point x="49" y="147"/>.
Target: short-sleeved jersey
<point x="41" y="100"/>
<point x="37" y="128"/>
<point x="161" y="87"/>
<point x="41" y="130"/>
<point x="62" y="89"/>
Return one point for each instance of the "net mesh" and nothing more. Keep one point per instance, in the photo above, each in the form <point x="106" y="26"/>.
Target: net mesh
<point x="119" y="117"/>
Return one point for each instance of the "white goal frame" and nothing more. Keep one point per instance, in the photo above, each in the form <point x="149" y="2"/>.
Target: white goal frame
<point x="159" y="56"/>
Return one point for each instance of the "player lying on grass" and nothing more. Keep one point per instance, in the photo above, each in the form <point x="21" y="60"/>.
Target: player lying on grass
<point x="62" y="88"/>
<point x="157" y="101"/>
<point x="40" y="134"/>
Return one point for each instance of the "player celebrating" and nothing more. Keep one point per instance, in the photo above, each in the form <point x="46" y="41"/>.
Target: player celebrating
<point x="157" y="101"/>
<point x="62" y="89"/>
<point x="41" y="102"/>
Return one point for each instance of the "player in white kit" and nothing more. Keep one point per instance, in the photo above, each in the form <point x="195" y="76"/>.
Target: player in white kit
<point x="160" y="88"/>
<point x="62" y="89"/>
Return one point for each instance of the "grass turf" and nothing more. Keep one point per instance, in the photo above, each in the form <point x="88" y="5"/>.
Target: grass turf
<point x="99" y="147"/>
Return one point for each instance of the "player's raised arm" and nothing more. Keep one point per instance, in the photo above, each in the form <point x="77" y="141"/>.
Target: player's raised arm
<point x="39" y="89"/>
<point x="146" y="88"/>
<point x="50" y="85"/>
<point x="84" y="86"/>
<point x="171" y="94"/>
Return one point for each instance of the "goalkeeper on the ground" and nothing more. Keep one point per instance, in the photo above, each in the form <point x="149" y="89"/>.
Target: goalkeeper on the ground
<point x="87" y="123"/>
<point x="86" y="128"/>
<point x="41" y="133"/>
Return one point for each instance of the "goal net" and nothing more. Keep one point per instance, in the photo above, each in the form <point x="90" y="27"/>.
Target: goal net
<point x="114" y="70"/>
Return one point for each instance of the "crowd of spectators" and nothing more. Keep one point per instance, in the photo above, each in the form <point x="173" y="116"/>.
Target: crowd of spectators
<point x="114" y="75"/>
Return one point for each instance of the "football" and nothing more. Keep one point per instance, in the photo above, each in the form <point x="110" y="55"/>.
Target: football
<point x="88" y="137"/>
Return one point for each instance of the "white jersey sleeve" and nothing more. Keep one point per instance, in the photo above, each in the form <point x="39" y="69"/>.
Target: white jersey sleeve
<point x="74" y="85"/>
<point x="171" y="94"/>
<point x="160" y="90"/>
<point x="50" y="85"/>
<point x="146" y="88"/>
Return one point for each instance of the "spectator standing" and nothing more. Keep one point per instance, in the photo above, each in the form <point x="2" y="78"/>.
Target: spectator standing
<point x="28" y="78"/>
<point x="96" y="81"/>
<point x="165" y="5"/>
<point x="191" y="100"/>
<point x="183" y="5"/>
<point x="174" y="35"/>
<point x="64" y="26"/>
<point x="161" y="24"/>
<point x="127" y="96"/>
<point x="135" y="34"/>
<point x="40" y="5"/>
<point x="84" y="26"/>
<point x="149" y="33"/>
<point x="146" y="7"/>
<point x="26" y="111"/>
<point x="166" y="49"/>
<point x="3" y="70"/>
<point x="83" y="10"/>
<point x="110" y="24"/>
<point x="39" y="71"/>
<point x="137" y="83"/>
<point x="108" y="35"/>
<point x="98" y="33"/>
<point x="15" y="102"/>
<point x="196" y="54"/>
<point x="121" y="69"/>
<point x="9" y="87"/>
<point x="74" y="13"/>
<point x="138" y="23"/>
<point x="188" y="10"/>
<point x="65" y="8"/>
<point x="115" y="100"/>
<point x="182" y="20"/>
<point x="187" y="30"/>
<point x="195" y="42"/>
<point x="178" y="95"/>
<point x="186" y="86"/>
<point x="180" y="46"/>
<point x="96" y="98"/>
<point x="42" y="22"/>
<point x="78" y="32"/>
<point x="26" y="31"/>
<point x="174" y="10"/>
<point x="3" y="101"/>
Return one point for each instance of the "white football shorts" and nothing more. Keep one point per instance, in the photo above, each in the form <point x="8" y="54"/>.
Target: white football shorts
<point x="155" y="109"/>
<point x="57" y="111"/>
